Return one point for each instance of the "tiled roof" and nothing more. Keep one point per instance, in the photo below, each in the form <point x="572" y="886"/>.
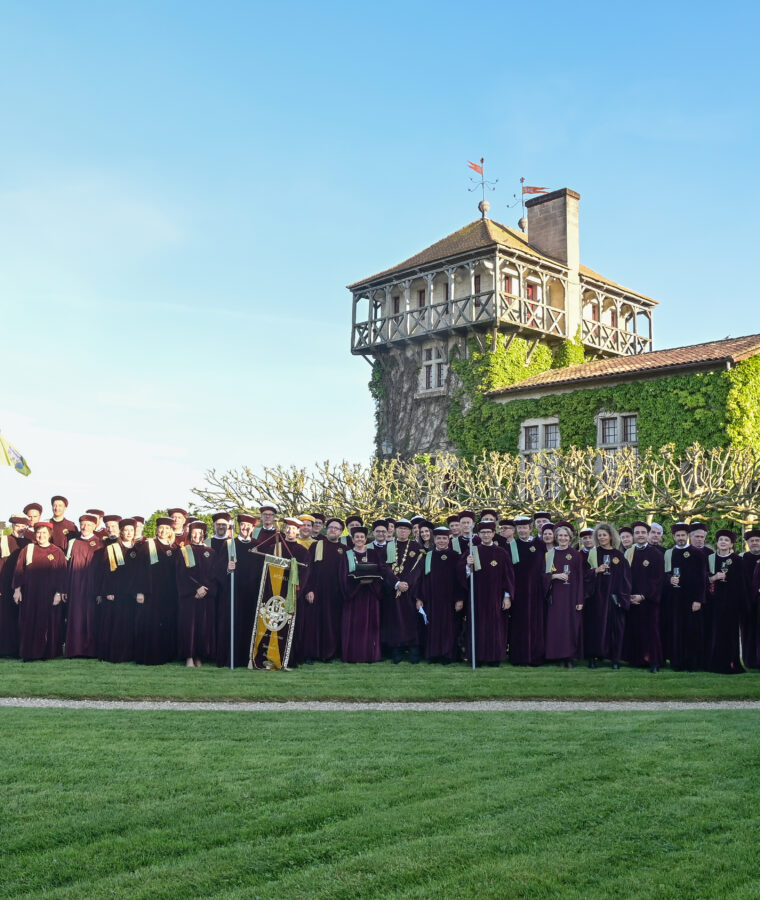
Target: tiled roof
<point x="665" y="362"/>
<point x="479" y="235"/>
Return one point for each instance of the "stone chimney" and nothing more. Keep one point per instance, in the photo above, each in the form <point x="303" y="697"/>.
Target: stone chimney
<point x="553" y="229"/>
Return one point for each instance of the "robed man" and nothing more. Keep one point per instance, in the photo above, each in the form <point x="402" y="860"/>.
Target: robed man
<point x="84" y="552"/>
<point x="642" y="644"/>
<point x="10" y="547"/>
<point x="686" y="585"/>
<point x="491" y="569"/>
<point x="399" y="617"/>
<point x="442" y="596"/>
<point x="526" y="628"/>
<point x="319" y="622"/>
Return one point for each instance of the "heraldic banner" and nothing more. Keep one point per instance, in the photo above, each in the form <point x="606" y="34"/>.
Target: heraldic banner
<point x="275" y="620"/>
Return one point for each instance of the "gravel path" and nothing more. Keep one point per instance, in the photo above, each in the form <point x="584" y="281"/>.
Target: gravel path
<point x="358" y="706"/>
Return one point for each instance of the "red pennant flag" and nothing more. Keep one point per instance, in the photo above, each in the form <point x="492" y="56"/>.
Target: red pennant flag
<point x="475" y="167"/>
<point x="534" y="190"/>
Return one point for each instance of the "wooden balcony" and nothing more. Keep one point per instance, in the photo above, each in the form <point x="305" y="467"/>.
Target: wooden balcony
<point x="484" y="310"/>
<point x="610" y="339"/>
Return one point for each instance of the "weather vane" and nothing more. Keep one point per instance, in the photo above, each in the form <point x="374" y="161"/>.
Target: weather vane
<point x="484" y="205"/>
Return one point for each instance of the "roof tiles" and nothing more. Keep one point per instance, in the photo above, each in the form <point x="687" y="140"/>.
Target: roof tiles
<point x="729" y="350"/>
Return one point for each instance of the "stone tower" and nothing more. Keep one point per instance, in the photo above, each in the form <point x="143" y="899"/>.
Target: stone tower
<point x="410" y="320"/>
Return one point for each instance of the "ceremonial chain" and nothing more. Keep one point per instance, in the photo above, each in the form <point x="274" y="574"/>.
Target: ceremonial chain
<point x="399" y="567"/>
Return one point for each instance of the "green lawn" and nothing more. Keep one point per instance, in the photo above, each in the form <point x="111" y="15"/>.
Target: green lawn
<point x="347" y="805"/>
<point x="381" y="681"/>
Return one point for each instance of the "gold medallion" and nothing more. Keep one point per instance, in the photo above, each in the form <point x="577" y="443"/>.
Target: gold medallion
<point x="646" y="562"/>
<point x="686" y="554"/>
<point x="93" y="543"/>
<point x="51" y="557"/>
<point x="494" y="562"/>
<point x="168" y="552"/>
<point x="133" y="555"/>
<point x="569" y="556"/>
<point x="532" y="549"/>
<point x="206" y="553"/>
<point x="443" y="556"/>
<point x="615" y="560"/>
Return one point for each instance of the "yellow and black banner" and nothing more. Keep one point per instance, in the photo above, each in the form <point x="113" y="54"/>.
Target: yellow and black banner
<point x="274" y="623"/>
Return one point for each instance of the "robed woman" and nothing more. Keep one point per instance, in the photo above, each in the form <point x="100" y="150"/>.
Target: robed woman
<point x="564" y="573"/>
<point x="608" y="600"/>
<point x="197" y="587"/>
<point x="122" y="589"/>
<point x="725" y="606"/>
<point x="362" y="585"/>
<point x="39" y="582"/>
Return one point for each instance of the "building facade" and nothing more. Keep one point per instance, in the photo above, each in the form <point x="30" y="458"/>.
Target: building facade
<point x="488" y="288"/>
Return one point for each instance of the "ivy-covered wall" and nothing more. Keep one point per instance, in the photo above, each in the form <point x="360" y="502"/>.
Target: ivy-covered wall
<point x="714" y="408"/>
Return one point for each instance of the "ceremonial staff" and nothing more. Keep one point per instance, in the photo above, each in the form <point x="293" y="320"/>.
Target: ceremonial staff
<point x="232" y="557"/>
<point x="472" y="604"/>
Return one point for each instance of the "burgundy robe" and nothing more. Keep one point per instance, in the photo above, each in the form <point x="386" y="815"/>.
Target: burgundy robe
<point x="750" y="564"/>
<point x="604" y="612"/>
<point x="687" y="632"/>
<point x="63" y="531"/>
<point x="399" y="617"/>
<point x="247" y="581"/>
<point x="439" y="590"/>
<point x="726" y="603"/>
<point x="156" y="618"/>
<point x="360" y="623"/>
<point x="9" y="609"/>
<point x="81" y="605"/>
<point x="116" y="618"/>
<point x="526" y="628"/>
<point x="493" y="580"/>
<point x="196" y="616"/>
<point x="40" y="622"/>
<point x="642" y="644"/>
<point x="564" y="632"/>
<point x="319" y="623"/>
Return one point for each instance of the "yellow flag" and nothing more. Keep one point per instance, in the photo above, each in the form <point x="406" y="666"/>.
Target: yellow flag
<point x="9" y="456"/>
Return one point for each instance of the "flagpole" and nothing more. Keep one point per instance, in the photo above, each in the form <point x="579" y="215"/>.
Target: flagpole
<point x="232" y="619"/>
<point x="472" y="605"/>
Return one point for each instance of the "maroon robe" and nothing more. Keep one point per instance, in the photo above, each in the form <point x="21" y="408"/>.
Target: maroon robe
<point x="116" y="618"/>
<point x="247" y="581"/>
<point x="642" y="644"/>
<point x="196" y="616"/>
<point x="360" y="622"/>
<point x="605" y="609"/>
<point x="493" y="580"/>
<point x="8" y="608"/>
<point x="63" y="531"/>
<point x="439" y="590"/>
<point x="81" y="590"/>
<point x="40" y="622"/>
<point x="399" y="617"/>
<point x="156" y="618"/>
<point x="726" y="603"/>
<point x="750" y="564"/>
<point x="687" y="632"/>
<point x="526" y="627"/>
<point x="319" y="623"/>
<point x="564" y="632"/>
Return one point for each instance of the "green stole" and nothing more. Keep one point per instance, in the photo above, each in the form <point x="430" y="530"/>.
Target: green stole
<point x="188" y="555"/>
<point x="514" y="551"/>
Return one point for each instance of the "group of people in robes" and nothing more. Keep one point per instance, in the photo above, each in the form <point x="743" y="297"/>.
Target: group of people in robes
<point x="475" y="588"/>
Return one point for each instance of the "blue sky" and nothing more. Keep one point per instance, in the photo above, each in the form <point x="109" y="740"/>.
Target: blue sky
<point x="186" y="189"/>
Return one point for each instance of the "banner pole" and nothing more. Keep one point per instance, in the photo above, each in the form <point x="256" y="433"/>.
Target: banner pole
<point x="232" y="620"/>
<point x="472" y="605"/>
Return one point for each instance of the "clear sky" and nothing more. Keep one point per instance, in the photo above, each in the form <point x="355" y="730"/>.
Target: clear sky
<point x="187" y="187"/>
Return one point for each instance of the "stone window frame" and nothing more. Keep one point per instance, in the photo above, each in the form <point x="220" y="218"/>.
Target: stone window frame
<point x="619" y="418"/>
<point x="541" y="423"/>
<point x="438" y="366"/>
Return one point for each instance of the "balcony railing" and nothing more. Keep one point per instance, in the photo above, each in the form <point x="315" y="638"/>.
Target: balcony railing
<point x="611" y="339"/>
<point x="486" y="308"/>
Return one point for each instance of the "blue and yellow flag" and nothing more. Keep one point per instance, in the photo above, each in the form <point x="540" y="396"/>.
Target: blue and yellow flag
<point x="9" y="456"/>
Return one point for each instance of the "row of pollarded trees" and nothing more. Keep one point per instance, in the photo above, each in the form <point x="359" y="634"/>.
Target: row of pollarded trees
<point x="582" y="485"/>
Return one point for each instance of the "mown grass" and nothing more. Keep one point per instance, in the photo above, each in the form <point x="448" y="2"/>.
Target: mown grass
<point x="346" y="805"/>
<point x="64" y="678"/>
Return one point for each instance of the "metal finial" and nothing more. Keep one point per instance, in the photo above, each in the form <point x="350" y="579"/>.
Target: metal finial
<point x="484" y="205"/>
